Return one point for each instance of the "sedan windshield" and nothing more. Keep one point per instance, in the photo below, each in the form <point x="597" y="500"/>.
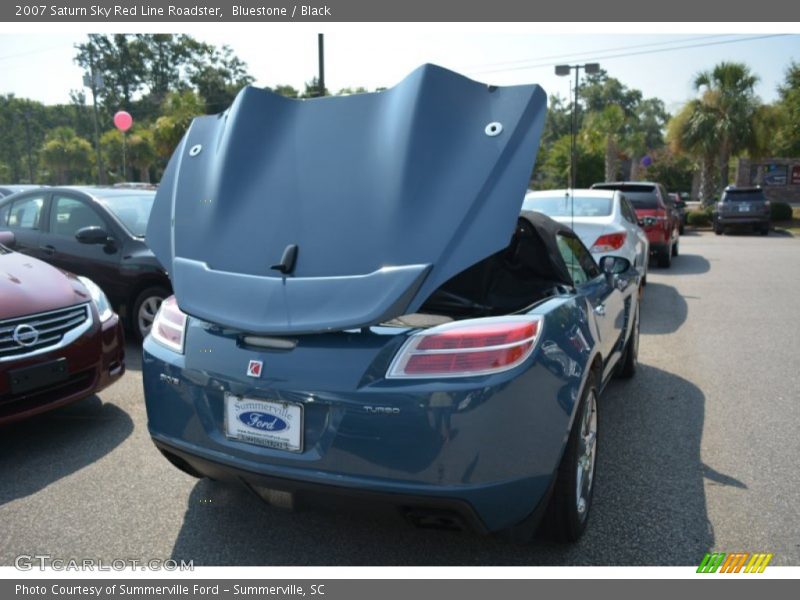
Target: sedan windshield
<point x="562" y="206"/>
<point x="132" y="210"/>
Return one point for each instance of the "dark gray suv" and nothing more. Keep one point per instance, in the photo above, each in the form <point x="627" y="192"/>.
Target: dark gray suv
<point x="746" y="206"/>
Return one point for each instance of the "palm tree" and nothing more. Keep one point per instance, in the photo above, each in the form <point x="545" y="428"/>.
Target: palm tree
<point x="692" y="132"/>
<point x="603" y="131"/>
<point x="728" y="91"/>
<point x="68" y="156"/>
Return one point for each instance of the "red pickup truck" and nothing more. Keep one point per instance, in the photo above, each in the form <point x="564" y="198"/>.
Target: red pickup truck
<point x="656" y="217"/>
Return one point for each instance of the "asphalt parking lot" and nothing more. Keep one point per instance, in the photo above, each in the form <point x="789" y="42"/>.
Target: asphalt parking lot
<point x="698" y="452"/>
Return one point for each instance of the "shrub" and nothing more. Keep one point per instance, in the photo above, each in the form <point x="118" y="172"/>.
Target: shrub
<point x="699" y="218"/>
<point x="780" y="211"/>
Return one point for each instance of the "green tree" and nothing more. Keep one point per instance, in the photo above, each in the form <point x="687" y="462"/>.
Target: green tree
<point x="692" y="133"/>
<point x="349" y="91"/>
<point x="553" y="171"/>
<point x="621" y="122"/>
<point x="787" y="135"/>
<point x="142" y="152"/>
<point x="285" y="90"/>
<point x="673" y="170"/>
<point x="218" y="75"/>
<point x="645" y="132"/>
<point x="67" y="156"/>
<point x="312" y="89"/>
<point x="603" y="132"/>
<point x="111" y="147"/>
<point x="178" y="111"/>
<point x="121" y="60"/>
<point x="728" y="92"/>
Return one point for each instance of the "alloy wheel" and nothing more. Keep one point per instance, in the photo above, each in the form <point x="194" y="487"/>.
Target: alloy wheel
<point x="587" y="446"/>
<point x="147" y="314"/>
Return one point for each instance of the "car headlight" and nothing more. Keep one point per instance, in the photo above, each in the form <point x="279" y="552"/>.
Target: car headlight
<point x="100" y="300"/>
<point x="169" y="325"/>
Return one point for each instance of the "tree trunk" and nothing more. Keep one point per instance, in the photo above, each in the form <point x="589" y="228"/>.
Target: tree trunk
<point x="634" y="174"/>
<point x="724" y="168"/>
<point x="707" y="183"/>
<point x="611" y="159"/>
<point x="695" y="193"/>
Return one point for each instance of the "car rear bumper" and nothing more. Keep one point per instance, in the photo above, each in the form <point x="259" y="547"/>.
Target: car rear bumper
<point x="419" y="505"/>
<point x="487" y="452"/>
<point x="742" y="220"/>
<point x="94" y="361"/>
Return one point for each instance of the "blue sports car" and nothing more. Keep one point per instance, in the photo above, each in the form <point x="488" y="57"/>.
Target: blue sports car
<point x="361" y="308"/>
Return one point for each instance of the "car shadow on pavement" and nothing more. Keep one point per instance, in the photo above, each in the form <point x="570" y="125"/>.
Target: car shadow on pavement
<point x="65" y="441"/>
<point x="133" y="355"/>
<point x="663" y="308"/>
<point x="649" y="507"/>
<point x="686" y="264"/>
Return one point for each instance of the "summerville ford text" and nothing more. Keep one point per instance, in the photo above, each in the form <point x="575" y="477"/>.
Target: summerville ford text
<point x="176" y="589"/>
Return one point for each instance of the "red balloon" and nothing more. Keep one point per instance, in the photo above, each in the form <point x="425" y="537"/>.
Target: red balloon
<point x="123" y="120"/>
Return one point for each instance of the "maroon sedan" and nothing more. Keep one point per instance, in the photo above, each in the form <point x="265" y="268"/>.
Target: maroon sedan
<point x="59" y="339"/>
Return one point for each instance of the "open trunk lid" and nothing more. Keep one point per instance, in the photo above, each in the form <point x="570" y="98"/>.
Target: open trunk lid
<point x="382" y="196"/>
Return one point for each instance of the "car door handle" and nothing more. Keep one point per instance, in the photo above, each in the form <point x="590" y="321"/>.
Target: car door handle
<point x="600" y="310"/>
<point x="48" y="249"/>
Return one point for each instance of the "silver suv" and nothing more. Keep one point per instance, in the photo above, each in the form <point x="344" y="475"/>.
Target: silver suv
<point x="746" y="206"/>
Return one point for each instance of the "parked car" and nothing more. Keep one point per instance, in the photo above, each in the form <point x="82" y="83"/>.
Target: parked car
<point x="7" y="190"/>
<point x="373" y="317"/>
<point x="680" y="208"/>
<point x="659" y="222"/>
<point x="605" y="221"/>
<point x="742" y="206"/>
<point x="97" y="232"/>
<point x="59" y="339"/>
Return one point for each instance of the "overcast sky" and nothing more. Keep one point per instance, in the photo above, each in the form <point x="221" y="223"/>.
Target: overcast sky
<point x="40" y="65"/>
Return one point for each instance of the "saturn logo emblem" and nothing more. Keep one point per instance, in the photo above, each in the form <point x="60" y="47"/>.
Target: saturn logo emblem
<point x="25" y="335"/>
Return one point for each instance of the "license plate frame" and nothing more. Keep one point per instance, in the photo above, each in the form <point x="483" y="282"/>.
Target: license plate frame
<point x="35" y="377"/>
<point x="248" y="419"/>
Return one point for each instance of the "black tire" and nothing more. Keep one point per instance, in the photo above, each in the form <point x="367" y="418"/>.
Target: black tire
<point x="630" y="357"/>
<point x="565" y="519"/>
<point x="146" y="303"/>
<point x="765" y="230"/>
<point x="665" y="258"/>
<point x="718" y="229"/>
<point x="675" y="248"/>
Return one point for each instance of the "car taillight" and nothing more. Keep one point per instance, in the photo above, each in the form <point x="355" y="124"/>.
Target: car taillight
<point x="609" y="242"/>
<point x="467" y="348"/>
<point x="169" y="325"/>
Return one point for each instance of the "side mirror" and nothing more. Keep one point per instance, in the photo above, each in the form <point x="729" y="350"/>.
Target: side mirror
<point x="92" y="235"/>
<point x="614" y="265"/>
<point x="7" y="238"/>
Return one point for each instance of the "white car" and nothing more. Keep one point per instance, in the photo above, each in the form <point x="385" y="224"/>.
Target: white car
<point x="604" y="220"/>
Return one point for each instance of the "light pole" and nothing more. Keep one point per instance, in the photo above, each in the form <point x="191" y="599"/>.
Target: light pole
<point x="321" y="52"/>
<point x="95" y="82"/>
<point x="562" y="70"/>
<point x="27" y="116"/>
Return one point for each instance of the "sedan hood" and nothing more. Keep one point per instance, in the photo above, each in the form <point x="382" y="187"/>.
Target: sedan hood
<point x="29" y="286"/>
<point x="301" y="216"/>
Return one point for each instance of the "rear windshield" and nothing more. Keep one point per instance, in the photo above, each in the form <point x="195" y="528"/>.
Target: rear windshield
<point x="133" y="210"/>
<point x="562" y="206"/>
<point x="642" y="200"/>
<point x="744" y="196"/>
